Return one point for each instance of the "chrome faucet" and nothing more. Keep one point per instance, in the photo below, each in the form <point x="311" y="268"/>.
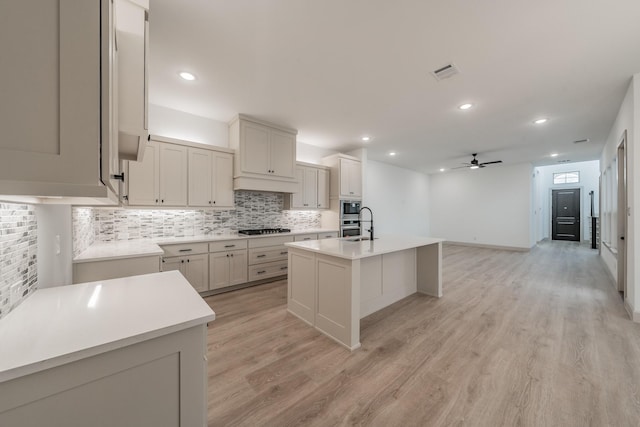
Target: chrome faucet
<point x="370" y="230"/>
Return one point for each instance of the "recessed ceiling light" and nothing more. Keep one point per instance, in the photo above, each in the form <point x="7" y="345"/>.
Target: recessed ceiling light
<point x="366" y="138"/>
<point x="441" y="169"/>
<point x="540" y="121"/>
<point x="392" y="153"/>
<point x="554" y="154"/>
<point x="465" y="106"/>
<point x="187" y="76"/>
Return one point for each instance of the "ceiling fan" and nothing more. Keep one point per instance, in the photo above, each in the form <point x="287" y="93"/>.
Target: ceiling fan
<point x="474" y="164"/>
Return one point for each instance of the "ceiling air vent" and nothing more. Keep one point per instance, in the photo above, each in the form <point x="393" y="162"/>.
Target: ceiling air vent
<point x="445" y="71"/>
<point x="580" y="141"/>
<point x="564" y="161"/>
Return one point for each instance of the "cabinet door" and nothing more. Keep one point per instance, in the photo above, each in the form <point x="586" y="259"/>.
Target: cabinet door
<point x="254" y="148"/>
<point x="297" y="198"/>
<point x="200" y="177"/>
<point x="197" y="271"/>
<point x="50" y="112"/>
<point x="282" y="154"/>
<point x="173" y="175"/>
<point x="218" y="270"/>
<point x="132" y="70"/>
<point x="238" y="267"/>
<point x="143" y="179"/>
<point x="223" y="180"/>
<point x="323" y="188"/>
<point x="310" y="192"/>
<point x="355" y="178"/>
<point x="173" y="263"/>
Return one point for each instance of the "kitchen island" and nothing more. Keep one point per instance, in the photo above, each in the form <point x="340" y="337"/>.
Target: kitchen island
<point x="129" y="351"/>
<point x="334" y="283"/>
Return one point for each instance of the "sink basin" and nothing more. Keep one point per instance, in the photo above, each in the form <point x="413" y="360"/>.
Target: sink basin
<point x="358" y="239"/>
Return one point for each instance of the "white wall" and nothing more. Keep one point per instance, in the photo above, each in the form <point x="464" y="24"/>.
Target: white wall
<point x="489" y="206"/>
<point x="589" y="181"/>
<point x="628" y="119"/>
<point x="172" y="123"/>
<point x="399" y="199"/>
<point x="54" y="269"/>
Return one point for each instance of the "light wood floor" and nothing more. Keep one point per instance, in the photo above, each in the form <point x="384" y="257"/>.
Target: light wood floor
<point x="519" y="339"/>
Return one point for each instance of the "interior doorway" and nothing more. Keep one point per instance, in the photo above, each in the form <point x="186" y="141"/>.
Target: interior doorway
<point x="622" y="214"/>
<point x="565" y="214"/>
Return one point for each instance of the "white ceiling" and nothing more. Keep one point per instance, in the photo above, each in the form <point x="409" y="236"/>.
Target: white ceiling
<point x="337" y="70"/>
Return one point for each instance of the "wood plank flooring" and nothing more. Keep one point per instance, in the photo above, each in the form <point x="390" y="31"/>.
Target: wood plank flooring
<point x="519" y="339"/>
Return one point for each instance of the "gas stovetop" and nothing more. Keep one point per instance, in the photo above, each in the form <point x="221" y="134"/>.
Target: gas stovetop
<point x="264" y="231"/>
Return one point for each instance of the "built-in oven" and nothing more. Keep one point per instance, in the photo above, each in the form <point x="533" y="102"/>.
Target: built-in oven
<point x="349" y="231"/>
<point x="349" y="218"/>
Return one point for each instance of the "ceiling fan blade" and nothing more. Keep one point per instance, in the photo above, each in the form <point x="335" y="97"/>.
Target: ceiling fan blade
<point x="490" y="163"/>
<point x="460" y="167"/>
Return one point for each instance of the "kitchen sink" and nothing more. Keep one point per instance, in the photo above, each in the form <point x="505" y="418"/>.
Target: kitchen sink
<point x="358" y="239"/>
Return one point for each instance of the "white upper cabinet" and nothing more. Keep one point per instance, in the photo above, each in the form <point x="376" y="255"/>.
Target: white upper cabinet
<point x="161" y="178"/>
<point x="132" y="35"/>
<point x="346" y="176"/>
<point x="56" y="105"/>
<point x="143" y="178"/>
<point x="313" y="188"/>
<point x="323" y="189"/>
<point x="210" y="178"/>
<point x="173" y="175"/>
<point x="265" y="155"/>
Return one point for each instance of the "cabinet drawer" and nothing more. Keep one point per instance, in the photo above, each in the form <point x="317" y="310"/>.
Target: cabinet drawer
<point x="262" y="242"/>
<point x="328" y="235"/>
<point x="303" y="237"/>
<point x="271" y="269"/>
<point x="227" y="245"/>
<point x="185" y="249"/>
<point x="262" y="255"/>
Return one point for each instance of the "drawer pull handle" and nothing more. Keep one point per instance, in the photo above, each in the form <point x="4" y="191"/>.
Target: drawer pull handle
<point x="261" y="256"/>
<point x="284" y="253"/>
<point x="262" y="271"/>
<point x="307" y="238"/>
<point x="229" y="246"/>
<point x="283" y="268"/>
<point x="185" y="250"/>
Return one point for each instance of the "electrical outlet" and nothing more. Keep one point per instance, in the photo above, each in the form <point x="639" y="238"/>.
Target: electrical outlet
<point x="14" y="293"/>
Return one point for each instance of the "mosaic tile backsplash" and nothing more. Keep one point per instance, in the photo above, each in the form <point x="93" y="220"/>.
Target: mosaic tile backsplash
<point x="253" y="210"/>
<point x="18" y="245"/>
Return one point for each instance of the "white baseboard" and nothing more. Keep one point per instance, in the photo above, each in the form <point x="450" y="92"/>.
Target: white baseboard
<point x="480" y="245"/>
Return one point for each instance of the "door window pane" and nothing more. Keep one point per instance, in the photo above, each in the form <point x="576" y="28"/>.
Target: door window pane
<point x="566" y="177"/>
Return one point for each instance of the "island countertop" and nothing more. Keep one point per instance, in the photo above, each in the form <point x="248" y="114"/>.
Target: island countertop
<point x="67" y="323"/>
<point x="347" y="249"/>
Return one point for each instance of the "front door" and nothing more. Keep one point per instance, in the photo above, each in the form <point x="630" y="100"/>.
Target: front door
<point x="565" y="217"/>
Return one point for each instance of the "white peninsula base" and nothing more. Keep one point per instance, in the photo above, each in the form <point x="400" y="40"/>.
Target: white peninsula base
<point x="334" y="283"/>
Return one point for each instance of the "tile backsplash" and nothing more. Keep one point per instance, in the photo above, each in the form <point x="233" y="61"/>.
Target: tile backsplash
<point x="18" y="246"/>
<point x="253" y="210"/>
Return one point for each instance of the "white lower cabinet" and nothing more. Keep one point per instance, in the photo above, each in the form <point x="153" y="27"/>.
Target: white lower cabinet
<point x="227" y="268"/>
<point x="114" y="268"/>
<point x="193" y="267"/>
<point x="191" y="260"/>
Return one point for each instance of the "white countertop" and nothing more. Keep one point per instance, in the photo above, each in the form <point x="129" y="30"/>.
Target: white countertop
<point x="59" y="325"/>
<point x="343" y="248"/>
<point x="102" y="251"/>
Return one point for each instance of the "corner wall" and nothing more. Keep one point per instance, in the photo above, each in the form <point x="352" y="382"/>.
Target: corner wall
<point x="399" y="199"/>
<point x="490" y="206"/>
<point x="628" y="119"/>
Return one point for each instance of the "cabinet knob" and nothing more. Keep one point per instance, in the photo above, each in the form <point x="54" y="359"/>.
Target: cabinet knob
<point x="209" y="201"/>
<point x="231" y="255"/>
<point x="156" y="200"/>
<point x="227" y="255"/>
<point x="182" y="261"/>
<point x="214" y="202"/>
<point x="188" y="260"/>
<point x="163" y="199"/>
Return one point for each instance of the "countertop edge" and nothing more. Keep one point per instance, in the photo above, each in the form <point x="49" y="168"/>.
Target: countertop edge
<point x="304" y="247"/>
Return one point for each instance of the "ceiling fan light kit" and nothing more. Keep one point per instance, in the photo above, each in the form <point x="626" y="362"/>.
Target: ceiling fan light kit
<point x="475" y="164"/>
